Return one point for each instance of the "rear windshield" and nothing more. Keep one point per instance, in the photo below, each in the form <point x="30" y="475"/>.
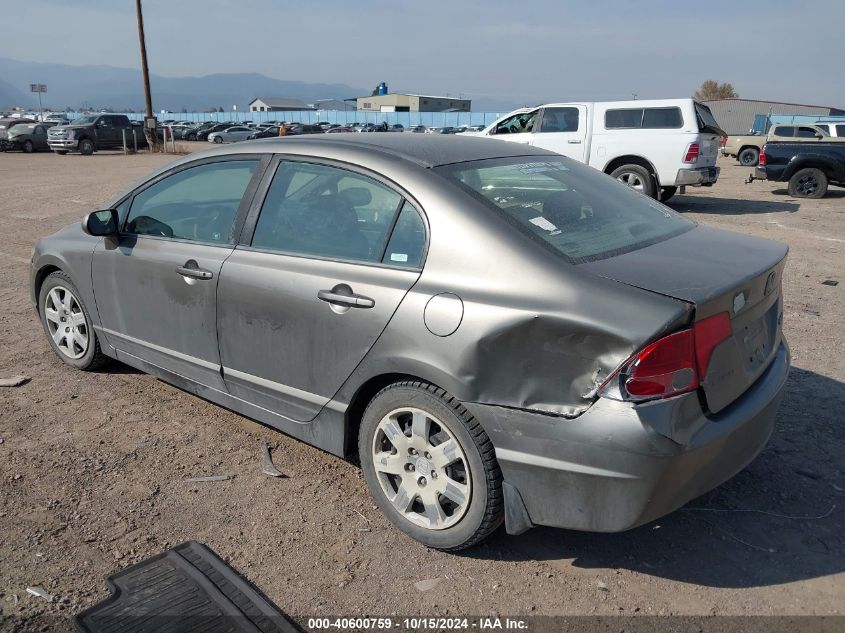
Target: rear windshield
<point x="575" y="210"/>
<point x="706" y="120"/>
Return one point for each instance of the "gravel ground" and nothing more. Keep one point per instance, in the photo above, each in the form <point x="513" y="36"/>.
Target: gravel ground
<point x="93" y="466"/>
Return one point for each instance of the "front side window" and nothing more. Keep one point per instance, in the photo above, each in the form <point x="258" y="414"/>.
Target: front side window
<point x="824" y="127"/>
<point x="325" y="211"/>
<point x="518" y="123"/>
<point x="575" y="210"/>
<point x="199" y="203"/>
<point x="559" y="120"/>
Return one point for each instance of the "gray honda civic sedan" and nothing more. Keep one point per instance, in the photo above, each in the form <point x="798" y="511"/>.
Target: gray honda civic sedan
<point x="498" y="333"/>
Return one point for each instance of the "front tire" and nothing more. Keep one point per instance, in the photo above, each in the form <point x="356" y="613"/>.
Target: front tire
<point x="28" y="147"/>
<point x="636" y="177"/>
<point x="218" y="140"/>
<point x="67" y="323"/>
<point x="430" y="466"/>
<point x="808" y="183"/>
<point x="86" y="147"/>
<point x="749" y="157"/>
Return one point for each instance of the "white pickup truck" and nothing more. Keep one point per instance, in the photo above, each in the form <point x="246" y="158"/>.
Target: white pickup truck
<point x="654" y="146"/>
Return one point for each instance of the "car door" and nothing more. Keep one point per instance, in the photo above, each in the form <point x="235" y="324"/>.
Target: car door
<point x="562" y="129"/>
<point x="517" y="128"/>
<point x="156" y="285"/>
<point x="311" y="287"/>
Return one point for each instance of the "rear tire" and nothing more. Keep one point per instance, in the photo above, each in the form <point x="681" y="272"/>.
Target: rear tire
<point x="28" y="147"/>
<point x="749" y="157"/>
<point x="67" y="323"/>
<point x="191" y="137"/>
<point x="808" y="183"/>
<point x="667" y="192"/>
<point x="449" y="499"/>
<point x="86" y="147"/>
<point x="636" y="177"/>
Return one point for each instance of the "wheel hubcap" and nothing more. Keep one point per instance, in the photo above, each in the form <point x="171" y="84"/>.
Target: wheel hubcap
<point x="807" y="185"/>
<point x="66" y="322"/>
<point x="631" y="179"/>
<point x="421" y="468"/>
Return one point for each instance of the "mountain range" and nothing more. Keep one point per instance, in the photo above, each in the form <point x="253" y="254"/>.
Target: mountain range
<point x="120" y="89"/>
<point x="96" y="87"/>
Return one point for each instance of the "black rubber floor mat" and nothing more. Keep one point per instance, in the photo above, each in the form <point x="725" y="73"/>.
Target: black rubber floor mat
<point x="187" y="589"/>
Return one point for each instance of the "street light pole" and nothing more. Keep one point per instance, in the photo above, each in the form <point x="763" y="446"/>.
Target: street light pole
<point x="149" y="119"/>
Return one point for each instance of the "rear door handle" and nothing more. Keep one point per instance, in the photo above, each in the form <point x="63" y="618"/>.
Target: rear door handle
<point x="574" y="141"/>
<point x="190" y="269"/>
<point x="353" y="301"/>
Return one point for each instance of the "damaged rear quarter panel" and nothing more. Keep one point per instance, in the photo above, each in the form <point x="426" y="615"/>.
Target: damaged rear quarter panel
<point x="537" y="332"/>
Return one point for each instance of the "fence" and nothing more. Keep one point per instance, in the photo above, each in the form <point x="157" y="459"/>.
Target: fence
<point x="342" y="117"/>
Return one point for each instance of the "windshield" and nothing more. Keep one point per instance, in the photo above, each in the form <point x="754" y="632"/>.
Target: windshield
<point x="575" y="210"/>
<point x="85" y="120"/>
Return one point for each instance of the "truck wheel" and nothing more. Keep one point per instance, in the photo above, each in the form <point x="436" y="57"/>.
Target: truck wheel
<point x="667" y="192"/>
<point x="636" y="177"/>
<point x="808" y="183"/>
<point x="86" y="147"/>
<point x="61" y="152"/>
<point x="749" y="157"/>
<point x="430" y="466"/>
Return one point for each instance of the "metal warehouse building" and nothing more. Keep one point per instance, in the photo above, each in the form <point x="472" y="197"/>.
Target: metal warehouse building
<point x="397" y="102"/>
<point x="736" y="116"/>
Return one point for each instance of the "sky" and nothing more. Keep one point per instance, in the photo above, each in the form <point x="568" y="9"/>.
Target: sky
<point x="517" y="50"/>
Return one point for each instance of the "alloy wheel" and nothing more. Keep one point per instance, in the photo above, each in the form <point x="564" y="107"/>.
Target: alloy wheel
<point x="66" y="322"/>
<point x="421" y="468"/>
<point x="807" y="185"/>
<point x="632" y="179"/>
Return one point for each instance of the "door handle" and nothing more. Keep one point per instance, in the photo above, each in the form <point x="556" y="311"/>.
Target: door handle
<point x="574" y="141"/>
<point x="353" y="301"/>
<point x="194" y="272"/>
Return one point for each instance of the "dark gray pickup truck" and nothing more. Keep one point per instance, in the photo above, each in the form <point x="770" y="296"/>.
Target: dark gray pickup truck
<point x="808" y="168"/>
<point x="94" y="132"/>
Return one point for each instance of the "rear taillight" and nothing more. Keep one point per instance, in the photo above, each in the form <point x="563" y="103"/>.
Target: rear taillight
<point x="724" y="141"/>
<point x="692" y="153"/>
<point x="761" y="159"/>
<point x="671" y="365"/>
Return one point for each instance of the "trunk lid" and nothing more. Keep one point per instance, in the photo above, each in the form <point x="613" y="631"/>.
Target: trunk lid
<point x="716" y="271"/>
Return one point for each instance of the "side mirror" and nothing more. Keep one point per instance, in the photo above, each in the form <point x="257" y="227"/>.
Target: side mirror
<point x="101" y="223"/>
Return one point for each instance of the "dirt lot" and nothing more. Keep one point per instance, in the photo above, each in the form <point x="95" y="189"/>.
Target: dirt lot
<point x="92" y="466"/>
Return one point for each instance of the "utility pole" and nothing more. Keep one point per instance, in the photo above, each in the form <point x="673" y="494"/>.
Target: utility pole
<point x="149" y="118"/>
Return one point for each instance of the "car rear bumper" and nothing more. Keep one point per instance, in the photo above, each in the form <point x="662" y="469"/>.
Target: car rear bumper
<point x="697" y="177"/>
<point x="67" y="143"/>
<point x="618" y="466"/>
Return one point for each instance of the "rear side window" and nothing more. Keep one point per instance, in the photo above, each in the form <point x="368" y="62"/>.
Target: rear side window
<point x="806" y="132"/>
<point x="199" y="203"/>
<point x="407" y="242"/>
<point x="559" y="120"/>
<point x="784" y="130"/>
<point x="840" y="130"/>
<point x="325" y="211"/>
<point x="644" y="118"/>
<point x="575" y="210"/>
